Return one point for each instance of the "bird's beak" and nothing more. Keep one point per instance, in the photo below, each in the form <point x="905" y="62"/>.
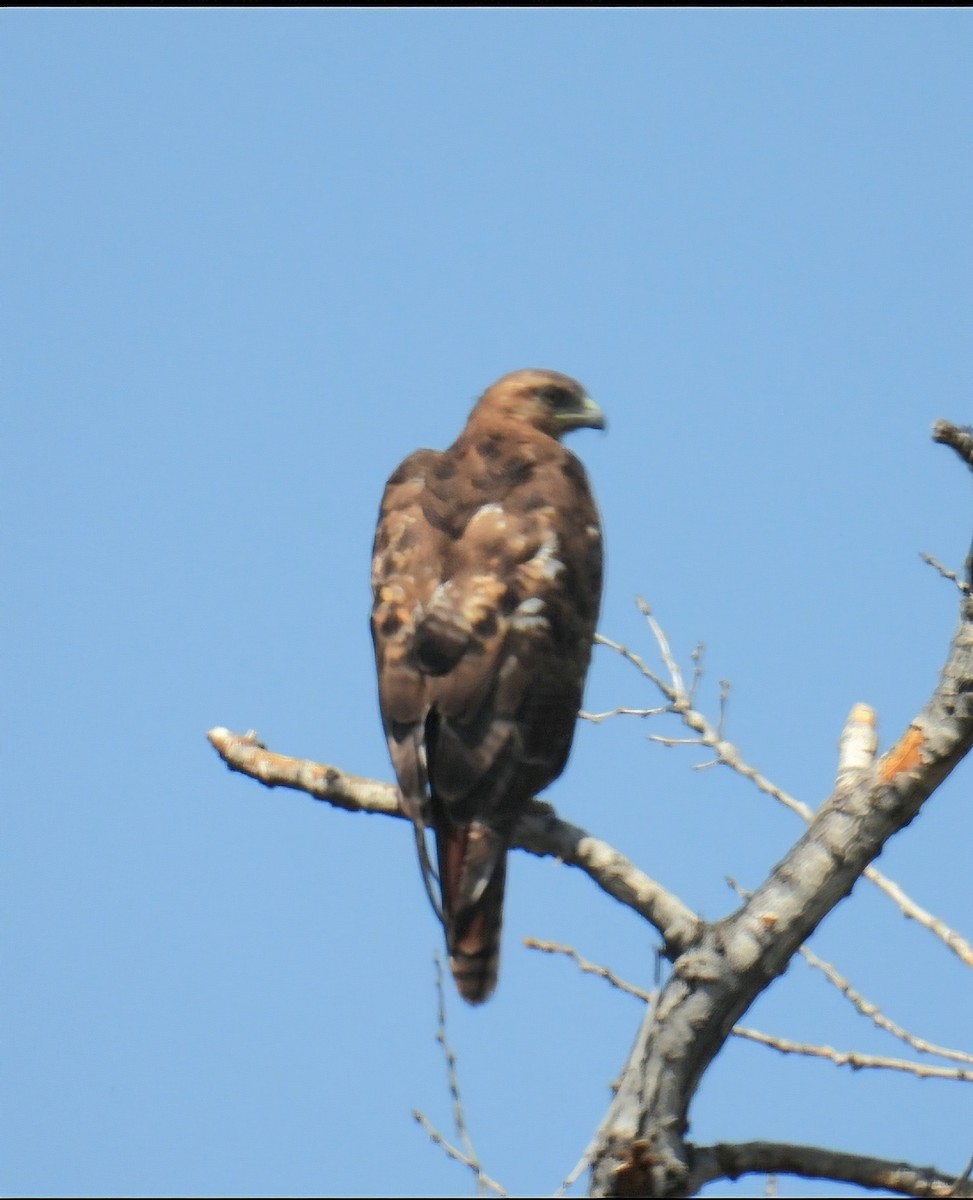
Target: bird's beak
<point x="587" y="415"/>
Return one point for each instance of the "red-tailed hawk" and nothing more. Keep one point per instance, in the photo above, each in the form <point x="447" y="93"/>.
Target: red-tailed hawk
<point x="486" y="573"/>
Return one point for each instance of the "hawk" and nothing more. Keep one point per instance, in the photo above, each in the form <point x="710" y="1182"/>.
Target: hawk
<point x="486" y="573"/>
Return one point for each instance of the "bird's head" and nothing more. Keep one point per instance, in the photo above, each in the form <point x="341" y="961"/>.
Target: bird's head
<point x="549" y="401"/>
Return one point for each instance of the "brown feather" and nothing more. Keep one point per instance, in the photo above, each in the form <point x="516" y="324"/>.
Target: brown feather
<point x="486" y="574"/>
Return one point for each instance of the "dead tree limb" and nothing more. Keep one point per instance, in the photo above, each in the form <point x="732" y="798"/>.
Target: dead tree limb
<point x="540" y="830"/>
<point x="811" y="1162"/>
<point x="642" y="1148"/>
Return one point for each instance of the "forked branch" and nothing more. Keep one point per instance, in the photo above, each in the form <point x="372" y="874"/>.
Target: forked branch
<point x="642" y="1149"/>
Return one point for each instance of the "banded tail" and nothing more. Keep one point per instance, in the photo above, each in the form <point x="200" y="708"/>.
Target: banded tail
<point x="473" y="872"/>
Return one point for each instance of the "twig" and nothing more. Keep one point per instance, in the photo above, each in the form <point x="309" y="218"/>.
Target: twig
<point x="597" y="718"/>
<point x="866" y="1007"/>
<point x="467" y="1156"/>
<point x="589" y="968"/>
<point x="852" y="1058"/>
<point x="574" y="1174"/>
<point x="945" y="572"/>
<point x="457" y="1155"/>
<point x="452" y="1078"/>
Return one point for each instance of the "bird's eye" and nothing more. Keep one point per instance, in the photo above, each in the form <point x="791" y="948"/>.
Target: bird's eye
<point x="556" y="396"/>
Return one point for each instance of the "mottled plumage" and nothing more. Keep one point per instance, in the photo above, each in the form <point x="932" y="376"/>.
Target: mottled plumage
<point x="486" y="574"/>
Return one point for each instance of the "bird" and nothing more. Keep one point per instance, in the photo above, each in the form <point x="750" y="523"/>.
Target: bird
<point x="486" y="579"/>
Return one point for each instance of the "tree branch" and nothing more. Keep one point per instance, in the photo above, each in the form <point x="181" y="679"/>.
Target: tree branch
<point x="852" y="1058"/>
<point x="866" y="1007"/>
<point x="483" y="1181"/>
<point x="728" y="755"/>
<point x="842" y="1058"/>
<point x="712" y="984"/>
<point x="248" y="755"/>
<point x="539" y="831"/>
<point x="811" y="1162"/>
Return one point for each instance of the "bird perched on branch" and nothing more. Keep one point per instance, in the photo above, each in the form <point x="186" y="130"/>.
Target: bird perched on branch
<point x="486" y="573"/>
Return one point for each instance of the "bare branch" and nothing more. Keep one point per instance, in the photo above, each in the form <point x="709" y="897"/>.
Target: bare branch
<point x="944" y="571"/>
<point x="597" y="718"/>
<point x="914" y="912"/>
<point x="246" y="754"/>
<point x="452" y="1077"/>
<point x="457" y="1155"/>
<point x="467" y="1156"/>
<point x="674" y="741"/>
<point x="811" y="1162"/>
<point x="874" y="1013"/>
<point x="539" y="831"/>
<point x="589" y="968"/>
<point x="866" y="1007"/>
<point x="852" y="1058"/>
<point x="842" y="1058"/>
<point x="576" y="1171"/>
<point x="641" y="1146"/>
<point x="728" y="755"/>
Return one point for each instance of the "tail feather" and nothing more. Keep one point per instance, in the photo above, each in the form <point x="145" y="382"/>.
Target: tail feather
<point x="472" y="872"/>
<point x="474" y="941"/>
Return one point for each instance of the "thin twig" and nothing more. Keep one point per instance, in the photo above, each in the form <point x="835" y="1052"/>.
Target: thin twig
<point x="457" y="1155"/>
<point x="597" y="718"/>
<point x="467" y="1156"/>
<point x="589" y="968"/>
<point x="452" y="1078"/>
<point x="575" y="1173"/>
<point x="870" y="1010"/>
<point x="852" y="1058"/>
<point x="867" y="1008"/>
<point x="610" y="977"/>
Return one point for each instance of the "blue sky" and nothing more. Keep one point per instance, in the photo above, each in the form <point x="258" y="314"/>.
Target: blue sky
<point x="252" y="259"/>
